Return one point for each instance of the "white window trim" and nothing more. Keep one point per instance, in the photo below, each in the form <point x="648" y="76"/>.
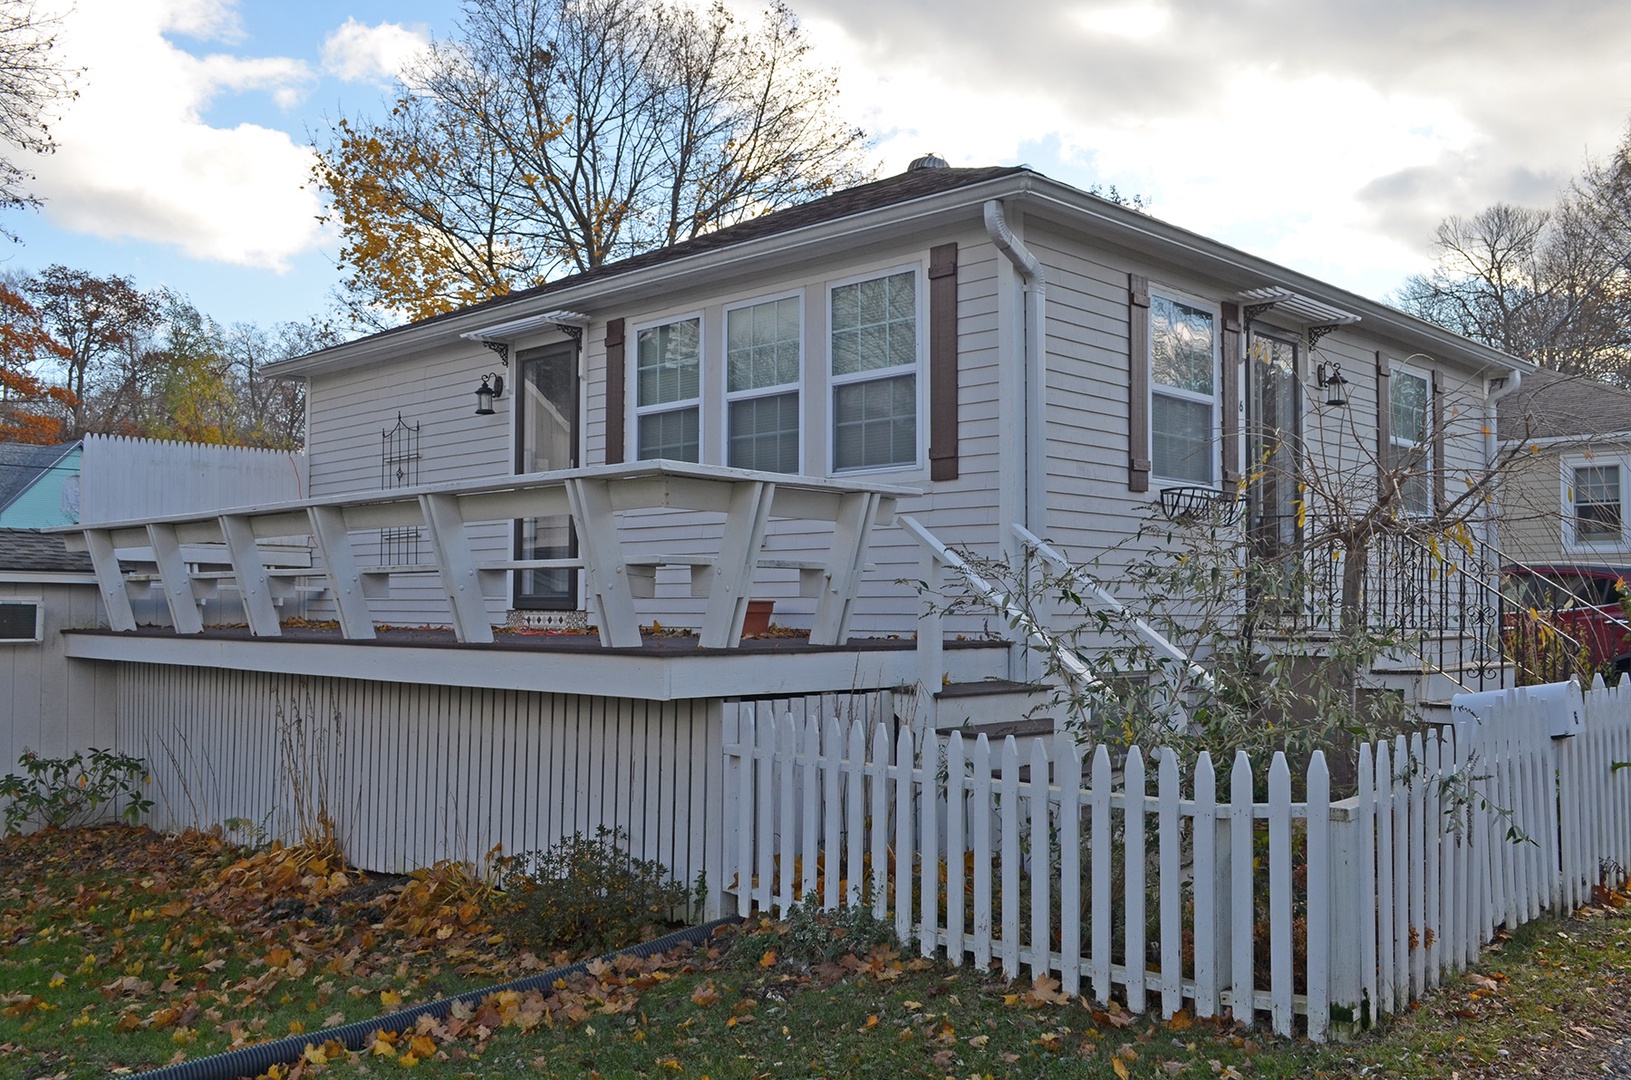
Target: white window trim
<point x="1567" y="465"/>
<point x="38" y="604"/>
<point x="1214" y="399"/>
<point x="1428" y="465"/>
<point x="633" y="410"/>
<point x="918" y="369"/>
<point x="730" y="397"/>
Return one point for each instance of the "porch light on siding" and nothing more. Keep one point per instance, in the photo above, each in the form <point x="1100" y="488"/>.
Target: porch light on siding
<point x="1330" y="379"/>
<point x="491" y="388"/>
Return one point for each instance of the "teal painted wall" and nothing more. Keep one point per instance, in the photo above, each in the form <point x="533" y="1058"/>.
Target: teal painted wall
<point x="41" y="506"/>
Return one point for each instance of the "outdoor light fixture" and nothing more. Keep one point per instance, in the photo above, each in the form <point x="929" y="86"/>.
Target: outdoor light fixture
<point x="1329" y="377"/>
<point x="491" y="388"/>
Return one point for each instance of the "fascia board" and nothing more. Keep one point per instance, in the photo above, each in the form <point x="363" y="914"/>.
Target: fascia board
<point x="1583" y="440"/>
<point x="750" y="256"/>
<point x="45" y="577"/>
<point x="1160" y="241"/>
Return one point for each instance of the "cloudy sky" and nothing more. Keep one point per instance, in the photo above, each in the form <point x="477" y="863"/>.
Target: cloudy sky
<point x="1328" y="135"/>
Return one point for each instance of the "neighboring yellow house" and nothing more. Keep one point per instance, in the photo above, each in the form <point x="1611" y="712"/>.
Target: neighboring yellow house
<point x="1566" y="495"/>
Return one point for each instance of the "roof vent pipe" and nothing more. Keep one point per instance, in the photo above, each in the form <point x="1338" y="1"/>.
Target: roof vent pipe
<point x="928" y="161"/>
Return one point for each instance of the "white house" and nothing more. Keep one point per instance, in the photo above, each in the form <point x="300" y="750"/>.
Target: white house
<point x="746" y="415"/>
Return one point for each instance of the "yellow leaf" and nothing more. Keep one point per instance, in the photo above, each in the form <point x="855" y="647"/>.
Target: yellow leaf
<point x="381" y="1048"/>
<point x="872" y="1021"/>
<point x="315" y="1054"/>
<point x="768" y="959"/>
<point x="390" y="997"/>
<point x="422" y="1045"/>
<point x="408" y="1061"/>
<point x="1121" y="1070"/>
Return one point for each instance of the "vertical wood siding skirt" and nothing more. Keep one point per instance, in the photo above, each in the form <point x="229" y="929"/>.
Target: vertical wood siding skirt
<point x="1230" y="394"/>
<point x="943" y="362"/>
<point x="1138" y="382"/>
<point x="615" y="392"/>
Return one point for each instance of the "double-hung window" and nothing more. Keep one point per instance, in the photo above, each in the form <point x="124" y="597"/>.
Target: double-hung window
<point x="762" y="370"/>
<point x="668" y="402"/>
<point x="1594" y="504"/>
<point x="874" y="372"/>
<point x="1410" y="451"/>
<point x="1183" y="391"/>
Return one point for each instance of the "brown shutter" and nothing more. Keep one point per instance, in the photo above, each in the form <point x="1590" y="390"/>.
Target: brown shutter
<point x="1138" y="382"/>
<point x="1384" y="425"/>
<point x="1230" y="392"/>
<point x="1436" y="418"/>
<point x="943" y="362"/>
<point x="616" y="373"/>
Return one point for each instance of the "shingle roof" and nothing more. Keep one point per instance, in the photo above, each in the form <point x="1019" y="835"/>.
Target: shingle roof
<point x="1549" y="405"/>
<point x="21" y="464"/>
<point x="30" y="549"/>
<point x="889" y="191"/>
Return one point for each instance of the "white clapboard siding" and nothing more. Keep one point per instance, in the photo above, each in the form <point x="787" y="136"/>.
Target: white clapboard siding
<point x="414" y="773"/>
<point x="1186" y="896"/>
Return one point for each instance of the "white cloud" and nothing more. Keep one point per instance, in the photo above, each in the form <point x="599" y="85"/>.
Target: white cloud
<point x="136" y="158"/>
<point x="359" y="53"/>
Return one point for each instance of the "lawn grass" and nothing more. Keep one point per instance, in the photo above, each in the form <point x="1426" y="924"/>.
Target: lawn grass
<point x="123" y="950"/>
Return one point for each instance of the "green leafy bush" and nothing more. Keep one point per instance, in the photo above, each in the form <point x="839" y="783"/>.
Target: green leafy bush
<point x="812" y="935"/>
<point x="587" y="895"/>
<point x="64" y="792"/>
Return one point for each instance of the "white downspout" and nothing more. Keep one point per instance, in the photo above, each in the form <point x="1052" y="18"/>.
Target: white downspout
<point x="1035" y="328"/>
<point x="1034" y="377"/>
<point x="1492" y="453"/>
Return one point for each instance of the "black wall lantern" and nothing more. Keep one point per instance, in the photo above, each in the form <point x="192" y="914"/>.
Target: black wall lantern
<point x="1329" y="377"/>
<point x="490" y="390"/>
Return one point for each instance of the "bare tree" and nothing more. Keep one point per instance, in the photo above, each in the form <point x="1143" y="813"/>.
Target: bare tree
<point x="557" y="135"/>
<point x="31" y="81"/>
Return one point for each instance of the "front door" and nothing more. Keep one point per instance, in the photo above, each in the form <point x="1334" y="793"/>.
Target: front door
<point x="1273" y="395"/>
<point x="546" y="439"/>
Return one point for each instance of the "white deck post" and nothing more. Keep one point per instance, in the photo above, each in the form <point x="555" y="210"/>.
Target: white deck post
<point x="177" y="580"/>
<point x="250" y="570"/>
<point x="457" y="567"/>
<point x="110" y="579"/>
<point x="603" y="570"/>
<point x="328" y="528"/>
<point x="738" y="557"/>
<point x="852" y="531"/>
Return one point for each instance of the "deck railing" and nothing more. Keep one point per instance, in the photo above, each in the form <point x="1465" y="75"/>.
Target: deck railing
<point x="244" y="547"/>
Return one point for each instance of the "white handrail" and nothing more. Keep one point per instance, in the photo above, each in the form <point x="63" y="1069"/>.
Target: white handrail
<point x="1074" y="668"/>
<point x="1157" y="640"/>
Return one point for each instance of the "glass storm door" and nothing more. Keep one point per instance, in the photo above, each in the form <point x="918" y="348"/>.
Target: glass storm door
<point x="1273" y="395"/>
<point x="547" y="439"/>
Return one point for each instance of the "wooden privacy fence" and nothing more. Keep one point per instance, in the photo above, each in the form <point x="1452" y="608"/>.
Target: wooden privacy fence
<point x="1200" y="893"/>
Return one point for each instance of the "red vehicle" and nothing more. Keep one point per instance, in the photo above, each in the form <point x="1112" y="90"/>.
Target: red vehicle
<point x="1568" y="618"/>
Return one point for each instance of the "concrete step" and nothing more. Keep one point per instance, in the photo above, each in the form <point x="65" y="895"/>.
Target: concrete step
<point x="998" y="707"/>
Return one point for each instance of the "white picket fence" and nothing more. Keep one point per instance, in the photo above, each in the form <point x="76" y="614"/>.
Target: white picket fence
<point x="1041" y="859"/>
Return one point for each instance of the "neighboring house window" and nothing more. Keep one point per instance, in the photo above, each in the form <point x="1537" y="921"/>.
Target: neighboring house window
<point x="1409" y="450"/>
<point x="874" y="372"/>
<point x="762" y="367"/>
<point x="1183" y="391"/>
<point x="1595" y="504"/>
<point x="668" y="391"/>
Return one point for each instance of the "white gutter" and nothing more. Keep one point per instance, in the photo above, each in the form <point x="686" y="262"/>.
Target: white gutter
<point x="1035" y="364"/>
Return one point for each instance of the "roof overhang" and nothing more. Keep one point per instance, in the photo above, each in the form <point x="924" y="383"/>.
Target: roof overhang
<point x="1145" y="237"/>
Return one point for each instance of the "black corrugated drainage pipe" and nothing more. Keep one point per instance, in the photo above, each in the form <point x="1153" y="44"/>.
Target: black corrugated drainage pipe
<point x="254" y="1060"/>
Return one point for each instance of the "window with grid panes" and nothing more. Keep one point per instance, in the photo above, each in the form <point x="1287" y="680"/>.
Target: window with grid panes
<point x="762" y="367"/>
<point x="874" y="372"/>
<point x="1410" y="398"/>
<point x="1598" y="515"/>
<point x="1183" y="391"/>
<point x="668" y="381"/>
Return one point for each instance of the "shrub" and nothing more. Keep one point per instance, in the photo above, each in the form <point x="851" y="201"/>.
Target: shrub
<point x="64" y="792"/>
<point x="587" y="895"/>
<point x="812" y="935"/>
